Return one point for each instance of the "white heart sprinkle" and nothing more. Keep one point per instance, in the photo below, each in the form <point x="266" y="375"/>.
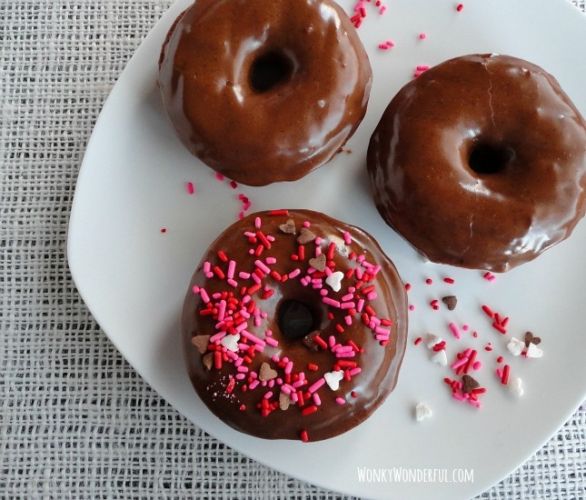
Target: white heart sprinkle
<point x="517" y="387"/>
<point x="440" y="358"/>
<point x="432" y="340"/>
<point x="422" y="411"/>
<point x="515" y="346"/>
<point x="534" y="352"/>
<point x="230" y="342"/>
<point x="334" y="281"/>
<point x="333" y="379"/>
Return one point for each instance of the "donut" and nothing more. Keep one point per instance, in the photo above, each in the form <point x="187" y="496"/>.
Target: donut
<point x="480" y="162"/>
<point x="294" y="326"/>
<point x="264" y="91"/>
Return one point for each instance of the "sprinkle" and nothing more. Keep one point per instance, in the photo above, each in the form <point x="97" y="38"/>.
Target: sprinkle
<point x="333" y="379"/>
<point x="316" y="385"/>
<point x="449" y="281"/>
<point x="515" y="346"/>
<point x="304" y="436"/>
<point x="460" y="7"/>
<point x="440" y="358"/>
<point x="190" y="186"/>
<point x="309" y="410"/>
<point x="163" y="230"/>
<point x="534" y="352"/>
<point x="417" y="341"/>
<point x="488" y="276"/>
<point x="386" y="45"/>
<point x="219" y="176"/>
<point x="422" y="36"/>
<point x="422" y="411"/>
<point x="279" y="212"/>
<point x="505" y="375"/>
<point x="340" y="401"/>
<point x="455" y="330"/>
<point x="488" y="311"/>
<point x="516" y="387"/>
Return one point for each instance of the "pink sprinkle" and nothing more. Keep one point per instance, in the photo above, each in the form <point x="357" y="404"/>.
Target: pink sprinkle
<point x="190" y="188"/>
<point x="268" y="395"/>
<point x="360" y="305"/>
<point x="371" y="296"/>
<point x="488" y="276"/>
<point x="219" y="176"/>
<point x="204" y="295"/>
<point x="306" y="223"/>
<point x="477" y="365"/>
<point x="316" y="385"/>
<point x="316" y="399"/>
<point x="355" y="371"/>
<point x="348" y="320"/>
<point x="347" y="238"/>
<point x="411" y="307"/>
<point x="294" y="273"/>
<point x="271" y="341"/>
<point x="262" y="266"/>
<point x="289" y="367"/>
<point x="455" y="330"/>
<point x="257" y="222"/>
<point x="422" y="36"/>
<point x="195" y="289"/>
<point x="253" y="385"/>
<point x="231" y="269"/>
<point x="340" y="401"/>
<point x="331" y="302"/>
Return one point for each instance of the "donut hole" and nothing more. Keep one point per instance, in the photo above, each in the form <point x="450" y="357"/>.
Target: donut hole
<point x="270" y="70"/>
<point x="486" y="158"/>
<point x="297" y="318"/>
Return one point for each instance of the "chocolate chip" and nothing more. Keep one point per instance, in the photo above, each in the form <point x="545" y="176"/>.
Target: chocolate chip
<point x="266" y="373"/>
<point x="318" y="263"/>
<point x="288" y="227"/>
<point x="305" y="236"/>
<point x="469" y="384"/>
<point x="450" y="301"/>
<point x="208" y="360"/>
<point x="201" y="342"/>
<point x="309" y="341"/>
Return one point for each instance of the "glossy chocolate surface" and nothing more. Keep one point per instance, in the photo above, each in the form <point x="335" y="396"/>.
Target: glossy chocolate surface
<point x="379" y="364"/>
<point x="252" y="134"/>
<point x="510" y="120"/>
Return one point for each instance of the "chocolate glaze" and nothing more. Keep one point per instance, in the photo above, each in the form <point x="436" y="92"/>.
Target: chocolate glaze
<point x="283" y="133"/>
<point x="380" y="364"/>
<point x="425" y="188"/>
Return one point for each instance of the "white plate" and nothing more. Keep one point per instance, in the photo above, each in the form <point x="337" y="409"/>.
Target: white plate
<point x="133" y="278"/>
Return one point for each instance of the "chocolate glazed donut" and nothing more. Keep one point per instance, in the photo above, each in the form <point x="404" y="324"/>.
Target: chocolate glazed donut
<point x="294" y="326"/>
<point x="481" y="162"/>
<point x="264" y="91"/>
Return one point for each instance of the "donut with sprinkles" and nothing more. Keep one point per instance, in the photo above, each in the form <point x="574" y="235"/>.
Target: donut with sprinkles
<point x="294" y="326"/>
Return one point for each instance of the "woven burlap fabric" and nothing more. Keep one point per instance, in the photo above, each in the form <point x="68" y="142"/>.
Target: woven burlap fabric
<point x="75" y="420"/>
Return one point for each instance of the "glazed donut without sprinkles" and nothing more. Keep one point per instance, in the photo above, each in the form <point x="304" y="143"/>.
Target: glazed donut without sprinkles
<point x="294" y="326"/>
<point x="481" y="162"/>
<point x="264" y="91"/>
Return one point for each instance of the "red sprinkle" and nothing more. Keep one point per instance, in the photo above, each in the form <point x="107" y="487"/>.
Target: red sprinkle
<point x="428" y="281"/>
<point x="505" y="376"/>
<point x="309" y="410"/>
<point x="449" y="281"/>
<point x="190" y="188"/>
<point x="163" y="230"/>
<point x="460" y="7"/>
<point x="417" y="341"/>
<point x="281" y="211"/>
<point x="304" y="436"/>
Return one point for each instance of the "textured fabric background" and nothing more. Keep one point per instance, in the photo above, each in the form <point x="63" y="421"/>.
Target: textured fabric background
<point x="75" y="420"/>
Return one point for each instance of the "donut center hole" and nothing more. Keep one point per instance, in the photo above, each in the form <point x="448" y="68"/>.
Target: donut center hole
<point x="269" y="70"/>
<point x="490" y="159"/>
<point x="296" y="319"/>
